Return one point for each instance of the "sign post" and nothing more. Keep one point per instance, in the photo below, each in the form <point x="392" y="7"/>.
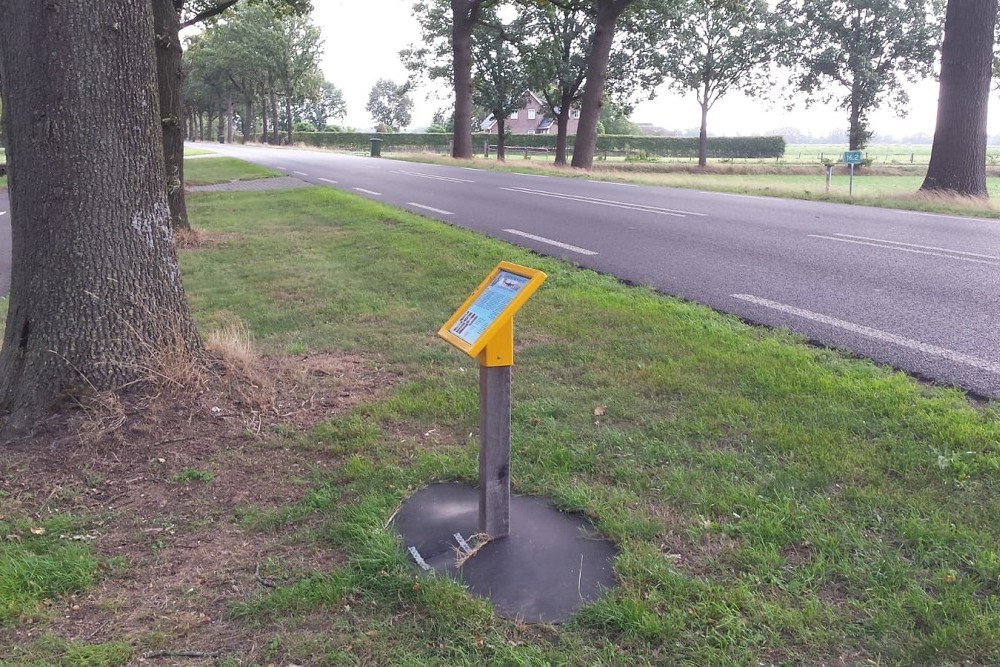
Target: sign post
<point x="852" y="158"/>
<point x="483" y="327"/>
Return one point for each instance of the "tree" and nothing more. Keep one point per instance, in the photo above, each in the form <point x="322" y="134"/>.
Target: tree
<point x="866" y="48"/>
<point x="555" y="60"/>
<point x="170" y="17"/>
<point x="606" y="15"/>
<point x="326" y="104"/>
<point x="958" y="154"/>
<point x="716" y="46"/>
<point x="615" y="119"/>
<point x="447" y="34"/>
<point x="500" y="79"/>
<point x="389" y="104"/>
<point x="465" y="15"/>
<point x="96" y="298"/>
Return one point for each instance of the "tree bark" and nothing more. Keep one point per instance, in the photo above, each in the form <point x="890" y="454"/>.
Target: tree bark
<point x="464" y="13"/>
<point x="501" y="152"/>
<point x="96" y="299"/>
<point x="170" y="79"/>
<point x="249" y="122"/>
<point x="265" y="138"/>
<point x="703" y="133"/>
<point x="608" y="12"/>
<point x="958" y="154"/>
<point x="288" y="118"/>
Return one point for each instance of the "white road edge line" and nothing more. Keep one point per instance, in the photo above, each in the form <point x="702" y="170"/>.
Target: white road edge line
<point x="300" y="173"/>
<point x="924" y="247"/>
<point x="913" y="250"/>
<point x="327" y="180"/>
<point x="429" y="208"/>
<point x="369" y="192"/>
<point x="558" y="244"/>
<point x="877" y="334"/>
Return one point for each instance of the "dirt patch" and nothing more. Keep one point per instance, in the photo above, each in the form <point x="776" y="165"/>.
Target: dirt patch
<point x="165" y="477"/>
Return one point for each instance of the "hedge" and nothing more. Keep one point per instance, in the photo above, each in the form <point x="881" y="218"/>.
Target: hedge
<point x="718" y="147"/>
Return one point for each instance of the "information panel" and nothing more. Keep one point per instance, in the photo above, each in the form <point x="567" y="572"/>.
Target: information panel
<point x="490" y="307"/>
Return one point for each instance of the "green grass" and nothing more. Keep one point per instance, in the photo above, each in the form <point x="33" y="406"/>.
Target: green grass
<point x="193" y="475"/>
<point x="50" y="650"/>
<point x="40" y="562"/>
<point x="773" y="501"/>
<point x="196" y="151"/>
<point x="212" y="170"/>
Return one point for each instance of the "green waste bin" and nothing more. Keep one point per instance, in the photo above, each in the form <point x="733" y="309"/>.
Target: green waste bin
<point x="376" y="147"/>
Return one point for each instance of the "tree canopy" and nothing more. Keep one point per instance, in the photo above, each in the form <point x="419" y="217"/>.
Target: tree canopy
<point x="866" y="50"/>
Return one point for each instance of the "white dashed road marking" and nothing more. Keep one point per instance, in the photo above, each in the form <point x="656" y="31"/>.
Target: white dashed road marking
<point x="558" y="244"/>
<point x="429" y="208"/>
<point x="369" y="192"/>
<point x="327" y="180"/>
<point x="960" y="255"/>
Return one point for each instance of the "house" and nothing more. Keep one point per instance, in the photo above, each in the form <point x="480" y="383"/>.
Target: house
<point x="532" y="119"/>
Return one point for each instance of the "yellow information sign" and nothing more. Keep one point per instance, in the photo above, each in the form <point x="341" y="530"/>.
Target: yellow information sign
<point x="484" y="325"/>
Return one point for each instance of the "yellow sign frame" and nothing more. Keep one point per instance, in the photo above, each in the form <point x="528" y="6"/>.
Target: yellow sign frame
<point x="495" y="345"/>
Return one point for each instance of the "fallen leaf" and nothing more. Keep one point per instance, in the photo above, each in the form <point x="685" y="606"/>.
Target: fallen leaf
<point x="37" y="530"/>
<point x="600" y="410"/>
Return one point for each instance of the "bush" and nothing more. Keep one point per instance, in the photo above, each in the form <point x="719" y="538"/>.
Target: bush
<point x="718" y="147"/>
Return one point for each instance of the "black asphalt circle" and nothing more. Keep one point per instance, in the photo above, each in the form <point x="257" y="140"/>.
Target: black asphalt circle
<point x="551" y="564"/>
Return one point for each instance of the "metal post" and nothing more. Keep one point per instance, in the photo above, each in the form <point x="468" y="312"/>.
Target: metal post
<point x="829" y="177"/>
<point x="850" y="188"/>
<point x="494" y="450"/>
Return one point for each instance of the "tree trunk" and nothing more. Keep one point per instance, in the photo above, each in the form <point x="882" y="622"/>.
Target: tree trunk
<point x="230" y="125"/>
<point x="608" y="12"/>
<point x="464" y="13"/>
<point x="249" y="122"/>
<point x="562" y="125"/>
<point x="96" y="299"/>
<point x="958" y="154"/>
<point x="276" y="131"/>
<point x="288" y="117"/>
<point x="264" y="116"/>
<point x="170" y="80"/>
<point x="703" y="133"/>
<point x="501" y="153"/>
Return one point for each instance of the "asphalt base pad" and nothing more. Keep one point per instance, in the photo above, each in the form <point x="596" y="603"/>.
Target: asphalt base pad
<point x="551" y="563"/>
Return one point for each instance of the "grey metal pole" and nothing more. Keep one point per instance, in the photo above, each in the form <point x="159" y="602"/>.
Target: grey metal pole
<point x="494" y="451"/>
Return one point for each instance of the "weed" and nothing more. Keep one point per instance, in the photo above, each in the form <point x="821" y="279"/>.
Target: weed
<point x="192" y="475"/>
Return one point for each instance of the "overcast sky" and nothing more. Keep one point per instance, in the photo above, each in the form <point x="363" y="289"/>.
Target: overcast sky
<point x="363" y="40"/>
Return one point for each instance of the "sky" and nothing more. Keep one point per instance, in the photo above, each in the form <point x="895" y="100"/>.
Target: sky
<point x="363" y="40"/>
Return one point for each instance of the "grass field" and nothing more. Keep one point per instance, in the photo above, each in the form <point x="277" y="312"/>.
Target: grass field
<point x="774" y="503"/>
<point x="212" y="170"/>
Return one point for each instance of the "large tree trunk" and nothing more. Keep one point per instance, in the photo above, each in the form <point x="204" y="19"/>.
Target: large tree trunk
<point x="562" y="125"/>
<point x="96" y="299"/>
<point x="608" y="12"/>
<point x="249" y="122"/>
<point x="230" y="125"/>
<point x="958" y="155"/>
<point x="464" y="13"/>
<point x="170" y="79"/>
<point x="288" y="118"/>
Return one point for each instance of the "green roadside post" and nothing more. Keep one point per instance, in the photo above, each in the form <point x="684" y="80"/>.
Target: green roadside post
<point x="376" y="147"/>
<point x="852" y="158"/>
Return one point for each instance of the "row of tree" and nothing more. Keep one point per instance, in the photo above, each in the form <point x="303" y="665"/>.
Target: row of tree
<point x="264" y="61"/>
<point x="859" y="54"/>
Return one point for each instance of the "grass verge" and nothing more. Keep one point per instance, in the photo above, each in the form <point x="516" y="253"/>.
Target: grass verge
<point x="774" y="502"/>
<point x="212" y="170"/>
